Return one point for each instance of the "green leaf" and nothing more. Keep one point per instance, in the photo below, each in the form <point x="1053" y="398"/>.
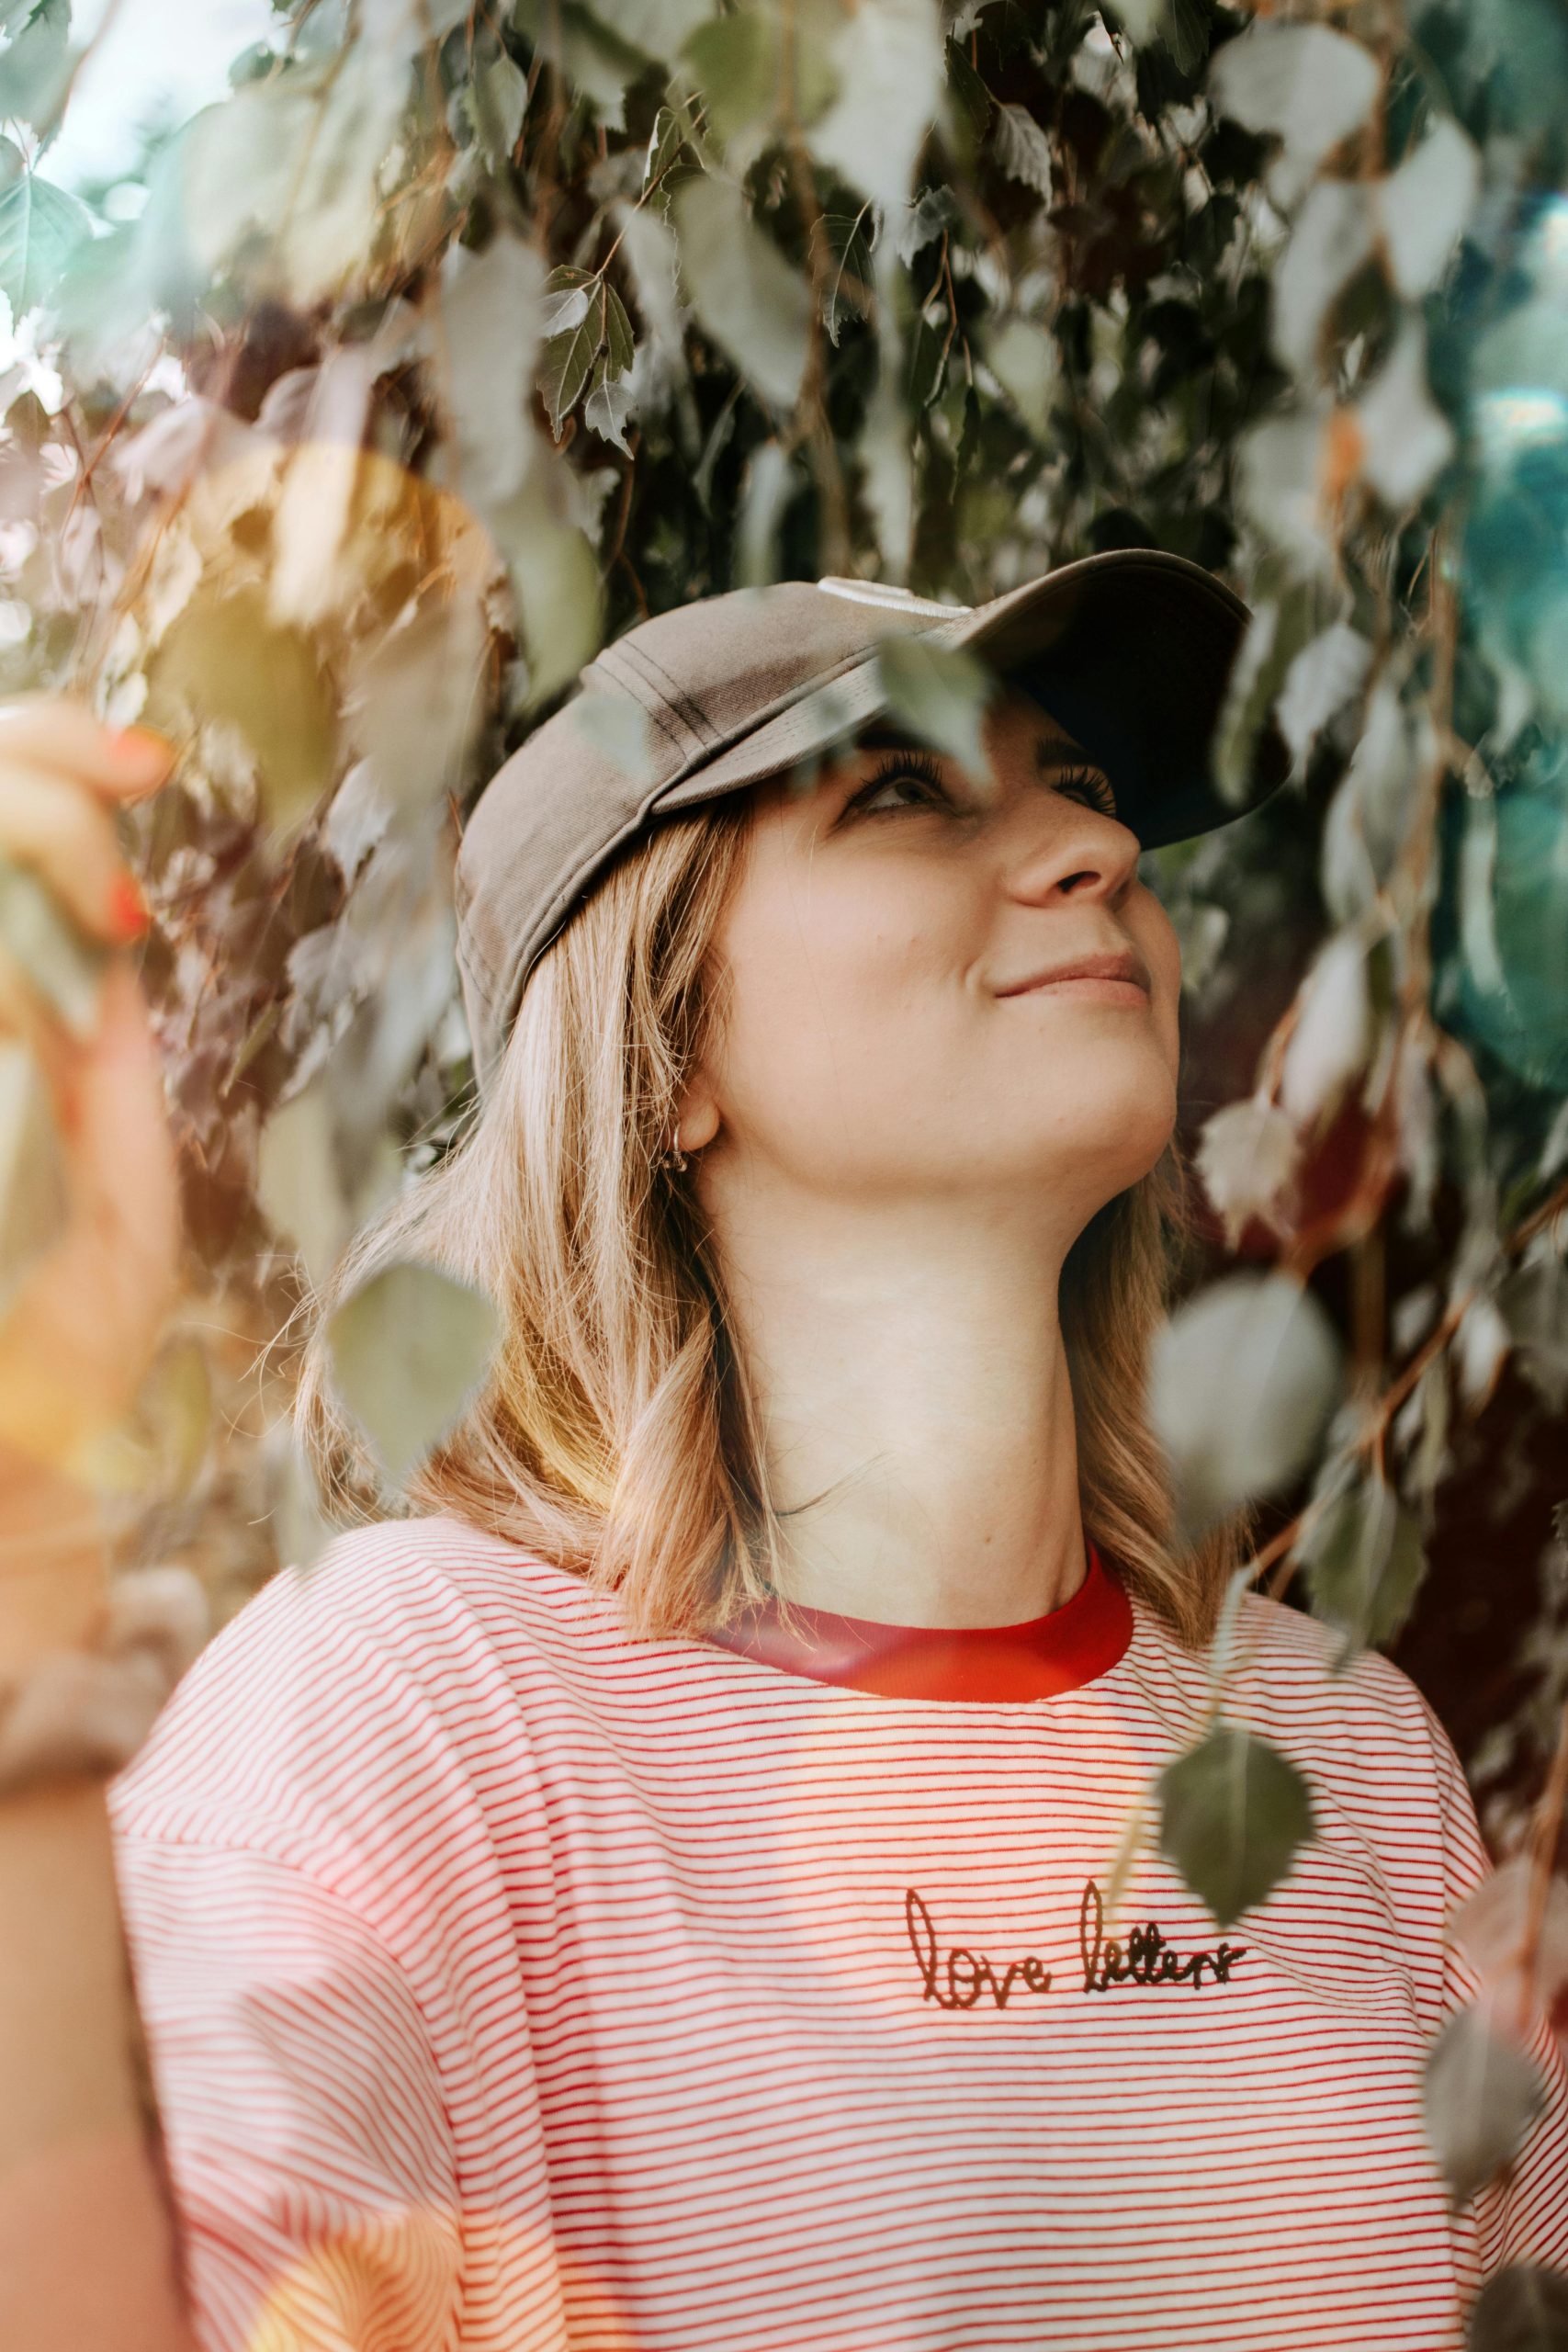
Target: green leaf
<point x="1022" y="148"/>
<point x="749" y="298"/>
<point x="40" y="229"/>
<point x="224" y="659"/>
<point x="620" y="348"/>
<point x="1243" y="1378"/>
<point x="735" y="60"/>
<point x="61" y="963"/>
<point x="32" y="1169"/>
<point x="37" y="63"/>
<point x="1479" y="2092"/>
<point x="939" y="692"/>
<point x="1424" y="206"/>
<point x="665" y="143"/>
<point x="566" y="366"/>
<point x="1308" y="85"/>
<point x="848" y="238"/>
<point x="566" y="298"/>
<point x="618" y="726"/>
<point x="1234" y="1812"/>
<point x="885" y="60"/>
<point x="608" y="407"/>
<point x="409" y="1352"/>
<point x="1365" y="1563"/>
<point x="1522" y="2309"/>
<point x="497" y="101"/>
<point x="976" y="104"/>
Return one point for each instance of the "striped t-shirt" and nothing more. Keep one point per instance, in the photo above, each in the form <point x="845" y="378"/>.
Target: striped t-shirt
<point x="515" y="1985"/>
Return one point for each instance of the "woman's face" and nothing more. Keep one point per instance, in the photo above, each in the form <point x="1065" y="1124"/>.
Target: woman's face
<point x="892" y="1027"/>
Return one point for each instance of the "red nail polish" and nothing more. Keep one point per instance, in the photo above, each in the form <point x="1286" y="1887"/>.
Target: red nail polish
<point x="129" y="918"/>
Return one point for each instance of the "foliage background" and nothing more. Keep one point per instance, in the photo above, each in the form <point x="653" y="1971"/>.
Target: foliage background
<point x="342" y="428"/>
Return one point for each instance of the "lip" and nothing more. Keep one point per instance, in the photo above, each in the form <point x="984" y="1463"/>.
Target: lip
<point x="1116" y="976"/>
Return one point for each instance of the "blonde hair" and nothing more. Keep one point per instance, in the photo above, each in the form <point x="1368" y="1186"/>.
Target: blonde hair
<point x="616" y="1434"/>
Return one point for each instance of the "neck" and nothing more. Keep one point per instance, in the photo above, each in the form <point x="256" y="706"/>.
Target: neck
<point x="917" y="1411"/>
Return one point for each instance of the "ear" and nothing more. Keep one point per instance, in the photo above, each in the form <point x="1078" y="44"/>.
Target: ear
<point x="696" y="1116"/>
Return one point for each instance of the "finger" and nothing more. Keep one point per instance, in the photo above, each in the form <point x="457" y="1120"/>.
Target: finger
<point x="68" y="839"/>
<point x="59" y="732"/>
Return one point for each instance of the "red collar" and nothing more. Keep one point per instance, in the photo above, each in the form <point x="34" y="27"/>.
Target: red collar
<point x="976" y="1665"/>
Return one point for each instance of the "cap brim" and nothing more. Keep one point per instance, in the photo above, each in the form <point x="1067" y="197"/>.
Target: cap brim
<point x="1130" y="651"/>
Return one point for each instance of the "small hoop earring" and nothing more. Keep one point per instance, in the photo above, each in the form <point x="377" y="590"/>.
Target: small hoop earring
<point x="674" y="1158"/>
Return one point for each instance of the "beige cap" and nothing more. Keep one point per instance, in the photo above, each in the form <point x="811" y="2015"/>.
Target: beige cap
<point x="1129" y="650"/>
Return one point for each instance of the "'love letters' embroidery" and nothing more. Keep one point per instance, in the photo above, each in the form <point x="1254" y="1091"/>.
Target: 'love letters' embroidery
<point x="956" y="1977"/>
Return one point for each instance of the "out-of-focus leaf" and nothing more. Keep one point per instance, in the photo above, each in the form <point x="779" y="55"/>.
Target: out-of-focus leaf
<point x="38" y="61"/>
<point x="1310" y="85"/>
<point x="888" y="60"/>
<point x="224" y="661"/>
<point x="1277" y="632"/>
<point x="1247" y="1156"/>
<point x="1022" y="148"/>
<point x="735" y="60"/>
<point x="618" y="726"/>
<point x="1479" y="2092"/>
<point x="1023" y="359"/>
<point x="650" y="254"/>
<point x="1326" y="675"/>
<point x="973" y="101"/>
<point x="934" y="212"/>
<point x="61" y="963"/>
<point x="497" y="101"/>
<point x="1242" y="1381"/>
<point x="1521" y="2309"/>
<point x="1333" y="1034"/>
<point x="1405" y="437"/>
<point x="1283" y="471"/>
<point x="409" y="1351"/>
<point x="752" y="302"/>
<point x="417" y="697"/>
<point x="1334" y="233"/>
<point x="300" y="1180"/>
<point x="492" y="312"/>
<point x="763" y="496"/>
<point x="555" y="580"/>
<point x="939" y="692"/>
<point x="1425" y="205"/>
<point x="42" y="229"/>
<point x="32" y="1166"/>
<point x="1493" y="1928"/>
<point x="1365" y="1563"/>
<point x="287" y="172"/>
<point x="1233" y="1815"/>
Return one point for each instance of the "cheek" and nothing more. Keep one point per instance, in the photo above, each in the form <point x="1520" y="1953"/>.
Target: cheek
<point x="826" y="977"/>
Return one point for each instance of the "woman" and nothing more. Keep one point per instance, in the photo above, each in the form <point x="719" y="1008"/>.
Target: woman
<point x="656" y="1894"/>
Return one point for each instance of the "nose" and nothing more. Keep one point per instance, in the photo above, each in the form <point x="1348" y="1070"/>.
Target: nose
<point x="1060" y="849"/>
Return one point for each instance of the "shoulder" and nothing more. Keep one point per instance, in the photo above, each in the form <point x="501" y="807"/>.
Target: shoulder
<point x="358" y="1680"/>
<point x="1362" y="1728"/>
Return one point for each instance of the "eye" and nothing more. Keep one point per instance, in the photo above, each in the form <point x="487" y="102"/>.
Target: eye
<point x="1091" y="783"/>
<point x="909" y="773"/>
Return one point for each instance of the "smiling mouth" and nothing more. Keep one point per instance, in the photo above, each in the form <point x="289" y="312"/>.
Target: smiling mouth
<point x="1097" y="988"/>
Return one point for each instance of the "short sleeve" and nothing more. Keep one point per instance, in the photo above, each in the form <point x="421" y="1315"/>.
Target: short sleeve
<point x="1522" y="2218"/>
<point x="326" y="1962"/>
<point x="307" y="2151"/>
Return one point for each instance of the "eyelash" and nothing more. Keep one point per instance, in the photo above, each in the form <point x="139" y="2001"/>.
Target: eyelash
<point x="899" y="766"/>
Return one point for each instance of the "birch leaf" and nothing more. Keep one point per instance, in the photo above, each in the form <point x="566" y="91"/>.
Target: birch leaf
<point x="939" y="692"/>
<point x="409" y="1351"/>
<point x="1242" y="1380"/>
<point x="1022" y="149"/>
<point x="1424" y="207"/>
<point x="888" y="60"/>
<point x="1234" y="1812"/>
<point x="749" y="298"/>
<point x="42" y="229"/>
<point x="1480" y="2093"/>
<point x="1309" y="86"/>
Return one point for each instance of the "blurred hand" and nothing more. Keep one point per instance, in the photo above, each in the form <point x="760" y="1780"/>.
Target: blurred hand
<point x="78" y="1332"/>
